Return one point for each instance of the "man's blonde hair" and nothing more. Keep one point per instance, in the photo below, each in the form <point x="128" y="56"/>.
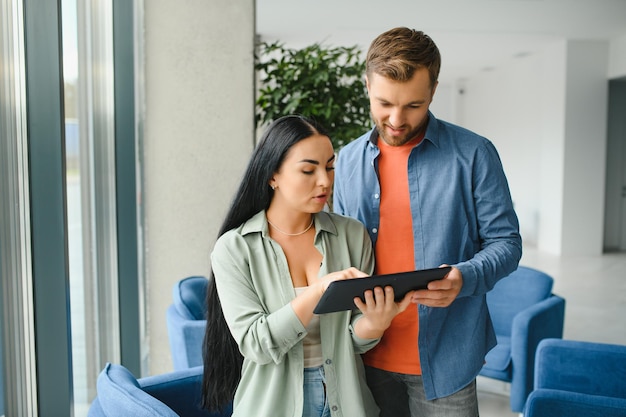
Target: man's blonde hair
<point x="397" y="53"/>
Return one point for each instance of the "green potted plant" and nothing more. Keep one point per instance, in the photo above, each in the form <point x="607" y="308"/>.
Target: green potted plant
<point x="321" y="82"/>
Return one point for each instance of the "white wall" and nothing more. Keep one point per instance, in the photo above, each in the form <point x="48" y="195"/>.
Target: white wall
<point x="505" y="105"/>
<point x="551" y="131"/>
<point x="199" y="132"/>
<point x="444" y="105"/>
<point x="546" y="114"/>
<point x="585" y="147"/>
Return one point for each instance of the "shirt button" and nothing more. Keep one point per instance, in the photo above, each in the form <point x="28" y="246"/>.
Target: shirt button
<point x="374" y="230"/>
<point x="328" y="361"/>
<point x="376" y="196"/>
<point x="335" y="408"/>
<point x="299" y="334"/>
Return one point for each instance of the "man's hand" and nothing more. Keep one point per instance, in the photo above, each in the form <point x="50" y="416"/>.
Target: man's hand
<point x="440" y="293"/>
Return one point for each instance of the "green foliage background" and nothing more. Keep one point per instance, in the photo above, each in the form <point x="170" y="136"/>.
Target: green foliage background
<point x="320" y="82"/>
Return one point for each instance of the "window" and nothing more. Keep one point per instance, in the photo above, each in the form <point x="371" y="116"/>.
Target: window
<point x="67" y="171"/>
<point x="88" y="75"/>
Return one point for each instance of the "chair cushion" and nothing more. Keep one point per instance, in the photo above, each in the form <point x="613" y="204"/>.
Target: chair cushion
<point x="189" y="296"/>
<point x="171" y="394"/>
<point x="499" y="358"/>
<point x="181" y="391"/>
<point x="178" y="393"/>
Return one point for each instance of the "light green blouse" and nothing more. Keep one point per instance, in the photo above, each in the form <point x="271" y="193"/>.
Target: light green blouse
<point x="255" y="290"/>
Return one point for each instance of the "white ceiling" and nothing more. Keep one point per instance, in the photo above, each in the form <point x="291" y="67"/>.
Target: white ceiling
<point x="472" y="35"/>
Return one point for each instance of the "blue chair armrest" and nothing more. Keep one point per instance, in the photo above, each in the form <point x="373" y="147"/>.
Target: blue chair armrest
<point x="181" y="391"/>
<point x="189" y="297"/>
<point x="172" y="394"/>
<point x="540" y="321"/>
<point x="556" y="403"/>
<point x="185" y="338"/>
<point x="124" y="396"/>
<point x="584" y="367"/>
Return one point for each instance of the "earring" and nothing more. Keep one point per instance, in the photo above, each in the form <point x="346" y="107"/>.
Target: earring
<point x="273" y="187"/>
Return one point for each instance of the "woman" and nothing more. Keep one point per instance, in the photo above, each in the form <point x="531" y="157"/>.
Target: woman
<point x="276" y="254"/>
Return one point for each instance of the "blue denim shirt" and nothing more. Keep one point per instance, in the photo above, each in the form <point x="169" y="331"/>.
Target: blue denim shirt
<point x="462" y="216"/>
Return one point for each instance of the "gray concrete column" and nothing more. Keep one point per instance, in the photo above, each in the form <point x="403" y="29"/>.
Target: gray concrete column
<point x="198" y="133"/>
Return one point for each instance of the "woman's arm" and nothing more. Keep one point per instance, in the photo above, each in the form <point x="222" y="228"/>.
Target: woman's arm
<point x="262" y="336"/>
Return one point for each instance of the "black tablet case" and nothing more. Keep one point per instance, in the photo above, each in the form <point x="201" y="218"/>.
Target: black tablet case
<point x="340" y="295"/>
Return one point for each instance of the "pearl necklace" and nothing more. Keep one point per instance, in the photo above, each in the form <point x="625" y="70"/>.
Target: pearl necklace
<point x="292" y="234"/>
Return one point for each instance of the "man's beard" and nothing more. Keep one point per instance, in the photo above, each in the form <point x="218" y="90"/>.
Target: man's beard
<point x="397" y="140"/>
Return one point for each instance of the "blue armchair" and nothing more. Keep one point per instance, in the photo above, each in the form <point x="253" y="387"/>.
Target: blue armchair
<point x="186" y="321"/>
<point x="576" y="379"/>
<point x="176" y="393"/>
<point x="524" y="311"/>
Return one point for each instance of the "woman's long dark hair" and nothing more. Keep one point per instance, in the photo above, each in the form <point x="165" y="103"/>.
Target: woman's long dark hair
<point x="222" y="359"/>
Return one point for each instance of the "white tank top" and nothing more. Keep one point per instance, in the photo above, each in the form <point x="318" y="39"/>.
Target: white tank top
<point x="312" y="341"/>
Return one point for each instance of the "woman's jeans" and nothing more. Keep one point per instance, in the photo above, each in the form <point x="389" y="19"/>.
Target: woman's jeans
<point x="315" y="404"/>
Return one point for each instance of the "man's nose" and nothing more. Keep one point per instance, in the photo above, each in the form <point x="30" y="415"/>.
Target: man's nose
<point x="396" y="117"/>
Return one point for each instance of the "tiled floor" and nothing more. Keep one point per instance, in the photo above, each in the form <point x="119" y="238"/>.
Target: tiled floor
<point x="490" y="402"/>
<point x="594" y="288"/>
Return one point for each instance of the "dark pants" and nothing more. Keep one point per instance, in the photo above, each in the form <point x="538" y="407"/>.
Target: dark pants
<point x="401" y="395"/>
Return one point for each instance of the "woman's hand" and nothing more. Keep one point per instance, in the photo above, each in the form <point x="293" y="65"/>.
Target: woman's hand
<point x="378" y="310"/>
<point x="349" y="273"/>
<point x="304" y="303"/>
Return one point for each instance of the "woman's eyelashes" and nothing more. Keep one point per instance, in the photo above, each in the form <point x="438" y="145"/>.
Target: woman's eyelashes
<point x="311" y="172"/>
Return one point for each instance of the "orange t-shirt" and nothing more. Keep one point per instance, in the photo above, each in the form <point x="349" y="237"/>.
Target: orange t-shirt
<point x="397" y="350"/>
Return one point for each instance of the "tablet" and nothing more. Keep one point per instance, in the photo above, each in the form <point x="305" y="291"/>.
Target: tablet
<point x="340" y="295"/>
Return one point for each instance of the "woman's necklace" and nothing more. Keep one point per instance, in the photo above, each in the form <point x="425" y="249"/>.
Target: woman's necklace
<point x="292" y="234"/>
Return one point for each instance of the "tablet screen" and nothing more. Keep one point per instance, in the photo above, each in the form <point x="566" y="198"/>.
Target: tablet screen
<point x="340" y="295"/>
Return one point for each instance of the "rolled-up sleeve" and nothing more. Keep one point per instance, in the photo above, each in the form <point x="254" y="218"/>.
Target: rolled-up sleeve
<point x="262" y="337"/>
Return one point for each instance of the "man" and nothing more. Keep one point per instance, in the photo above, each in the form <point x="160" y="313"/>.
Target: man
<point x="430" y="193"/>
